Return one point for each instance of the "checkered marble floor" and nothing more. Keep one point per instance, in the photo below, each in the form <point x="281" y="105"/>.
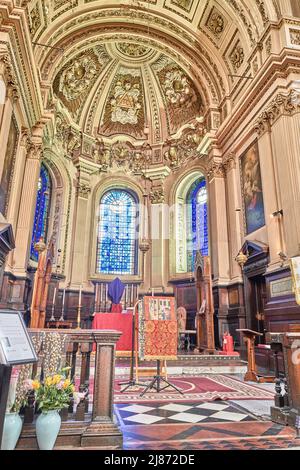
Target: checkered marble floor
<point x="175" y="413"/>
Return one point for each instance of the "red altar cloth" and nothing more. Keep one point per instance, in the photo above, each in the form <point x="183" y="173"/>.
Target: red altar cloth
<point x="119" y="322"/>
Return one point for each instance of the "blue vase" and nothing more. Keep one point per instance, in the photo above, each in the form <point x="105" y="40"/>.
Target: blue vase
<point x="11" y="431"/>
<point x="47" y="428"/>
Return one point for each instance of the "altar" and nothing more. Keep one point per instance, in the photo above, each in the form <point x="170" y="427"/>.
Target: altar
<point x="116" y="321"/>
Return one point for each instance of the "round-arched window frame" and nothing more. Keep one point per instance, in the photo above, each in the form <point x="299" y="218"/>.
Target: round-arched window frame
<point x="117" y="237"/>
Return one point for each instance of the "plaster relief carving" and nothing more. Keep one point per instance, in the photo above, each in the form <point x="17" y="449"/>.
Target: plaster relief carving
<point x="216" y="23"/>
<point x="237" y="57"/>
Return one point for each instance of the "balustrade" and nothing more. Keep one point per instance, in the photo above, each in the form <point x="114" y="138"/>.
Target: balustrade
<point x="91" y="422"/>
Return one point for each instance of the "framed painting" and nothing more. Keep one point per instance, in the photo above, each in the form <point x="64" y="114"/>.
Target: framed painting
<point x="8" y="166"/>
<point x="252" y="192"/>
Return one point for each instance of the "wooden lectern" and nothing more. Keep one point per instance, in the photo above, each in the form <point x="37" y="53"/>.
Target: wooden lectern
<point x="251" y="374"/>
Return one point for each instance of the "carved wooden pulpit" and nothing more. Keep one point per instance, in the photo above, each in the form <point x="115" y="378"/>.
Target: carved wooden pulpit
<point x="42" y="280"/>
<point x="205" y="305"/>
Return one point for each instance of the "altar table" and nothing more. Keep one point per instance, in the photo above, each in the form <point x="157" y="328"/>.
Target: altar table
<point x="118" y="322"/>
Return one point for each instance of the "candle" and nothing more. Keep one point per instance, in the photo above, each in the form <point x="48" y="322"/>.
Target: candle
<point x="54" y="296"/>
<point x="80" y="291"/>
<point x="63" y="300"/>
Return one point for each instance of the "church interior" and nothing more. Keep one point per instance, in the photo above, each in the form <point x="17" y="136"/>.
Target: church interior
<point x="150" y="223"/>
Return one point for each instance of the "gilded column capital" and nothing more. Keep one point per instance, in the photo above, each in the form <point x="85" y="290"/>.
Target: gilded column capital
<point x="215" y="170"/>
<point x="34" y="150"/>
<point x="83" y="189"/>
<point x="229" y="162"/>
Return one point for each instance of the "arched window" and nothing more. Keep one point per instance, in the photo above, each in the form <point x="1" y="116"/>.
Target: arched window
<point x="117" y="243"/>
<point x="197" y="235"/>
<point x="42" y="210"/>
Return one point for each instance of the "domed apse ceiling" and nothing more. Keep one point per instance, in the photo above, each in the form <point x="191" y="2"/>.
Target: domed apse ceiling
<point x="137" y="89"/>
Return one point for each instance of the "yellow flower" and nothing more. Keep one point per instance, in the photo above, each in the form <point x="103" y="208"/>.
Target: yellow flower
<point x="66" y="383"/>
<point x="72" y="388"/>
<point x="36" y="384"/>
<point x="48" y="381"/>
<point x="56" y="379"/>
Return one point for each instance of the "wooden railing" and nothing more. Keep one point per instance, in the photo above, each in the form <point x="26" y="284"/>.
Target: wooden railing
<point x="286" y="409"/>
<point x="91" y="423"/>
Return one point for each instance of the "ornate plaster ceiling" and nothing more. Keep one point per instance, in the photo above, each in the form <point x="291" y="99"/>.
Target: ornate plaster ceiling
<point x="143" y="91"/>
<point x="123" y="67"/>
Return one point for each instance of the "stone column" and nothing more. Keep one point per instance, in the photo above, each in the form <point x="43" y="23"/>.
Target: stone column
<point x="15" y="196"/>
<point x="27" y="204"/>
<point x="272" y="201"/>
<point x="234" y="222"/>
<point x="218" y="222"/>
<point x="160" y="219"/>
<point x="8" y="95"/>
<point x="79" y="258"/>
<point x="286" y="145"/>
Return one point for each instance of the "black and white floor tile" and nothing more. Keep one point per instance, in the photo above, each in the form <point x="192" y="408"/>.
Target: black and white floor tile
<point x="175" y="413"/>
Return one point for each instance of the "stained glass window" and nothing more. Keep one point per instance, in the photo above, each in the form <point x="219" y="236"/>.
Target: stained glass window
<point x="41" y="217"/>
<point x="117" y="233"/>
<point x="197" y="236"/>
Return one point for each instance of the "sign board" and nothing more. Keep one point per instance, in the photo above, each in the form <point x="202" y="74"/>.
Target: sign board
<point x="15" y="344"/>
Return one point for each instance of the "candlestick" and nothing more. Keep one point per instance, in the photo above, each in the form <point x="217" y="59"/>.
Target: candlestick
<point x="80" y="293"/>
<point x="79" y="309"/>
<point x="63" y="306"/>
<point x="53" y="305"/>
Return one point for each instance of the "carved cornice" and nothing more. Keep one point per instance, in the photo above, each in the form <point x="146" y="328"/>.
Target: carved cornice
<point x="282" y="105"/>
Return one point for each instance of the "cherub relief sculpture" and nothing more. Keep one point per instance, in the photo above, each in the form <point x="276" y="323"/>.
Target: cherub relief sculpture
<point x="125" y="104"/>
<point x="77" y="77"/>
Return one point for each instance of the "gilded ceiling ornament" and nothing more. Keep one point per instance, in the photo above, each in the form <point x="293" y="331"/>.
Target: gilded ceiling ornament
<point x="125" y="104"/>
<point x="132" y="50"/>
<point x="124" y="109"/>
<point x="182" y="99"/>
<point x="237" y="56"/>
<point x="73" y="83"/>
<point x="77" y="77"/>
<point x="216" y="23"/>
<point x="184" y="4"/>
<point x="35" y="19"/>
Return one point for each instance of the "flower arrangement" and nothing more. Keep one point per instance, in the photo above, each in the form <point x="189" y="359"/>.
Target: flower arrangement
<point x="54" y="392"/>
<point x="18" y="390"/>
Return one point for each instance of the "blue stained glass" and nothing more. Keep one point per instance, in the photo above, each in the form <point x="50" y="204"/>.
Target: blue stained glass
<point x="197" y="236"/>
<point x="40" y="226"/>
<point x="117" y="233"/>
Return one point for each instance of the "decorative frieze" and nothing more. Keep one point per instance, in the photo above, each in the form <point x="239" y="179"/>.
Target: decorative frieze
<point x="281" y="105"/>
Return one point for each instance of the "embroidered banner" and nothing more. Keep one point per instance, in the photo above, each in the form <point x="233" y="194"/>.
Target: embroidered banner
<point x="158" y="334"/>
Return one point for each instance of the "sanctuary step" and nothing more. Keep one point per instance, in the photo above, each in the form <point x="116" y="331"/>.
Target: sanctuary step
<point x="190" y="365"/>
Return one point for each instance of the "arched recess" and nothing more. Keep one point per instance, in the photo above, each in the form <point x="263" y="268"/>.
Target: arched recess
<point x="59" y="208"/>
<point x="128" y="185"/>
<point x="189" y="226"/>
